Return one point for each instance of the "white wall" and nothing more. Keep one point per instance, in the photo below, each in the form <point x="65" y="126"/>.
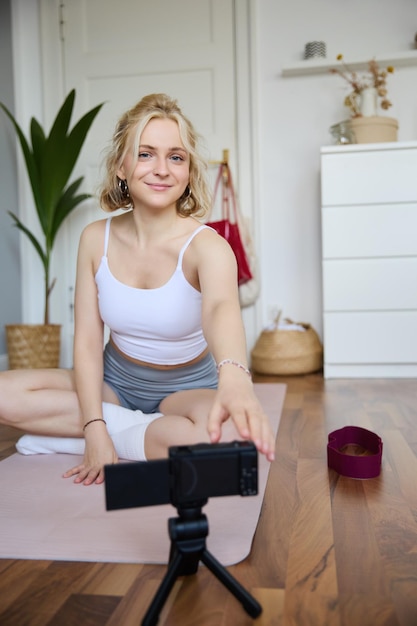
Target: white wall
<point x="294" y="115"/>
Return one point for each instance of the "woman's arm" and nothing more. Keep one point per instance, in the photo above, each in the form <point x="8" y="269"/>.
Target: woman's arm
<point x="225" y="335"/>
<point x="88" y="360"/>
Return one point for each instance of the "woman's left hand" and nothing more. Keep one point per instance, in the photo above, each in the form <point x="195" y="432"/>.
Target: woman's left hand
<point x="236" y="399"/>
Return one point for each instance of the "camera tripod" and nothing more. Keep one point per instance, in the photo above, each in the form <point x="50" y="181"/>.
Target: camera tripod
<point x="188" y="534"/>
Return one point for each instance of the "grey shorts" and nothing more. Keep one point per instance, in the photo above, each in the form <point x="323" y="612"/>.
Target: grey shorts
<point x="144" y="388"/>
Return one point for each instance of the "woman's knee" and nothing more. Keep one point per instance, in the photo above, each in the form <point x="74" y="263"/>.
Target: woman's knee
<point x="18" y="392"/>
<point x="11" y="391"/>
<point x="172" y="430"/>
<point x="194" y="404"/>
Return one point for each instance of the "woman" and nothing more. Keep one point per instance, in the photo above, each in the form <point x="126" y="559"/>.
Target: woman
<point x="166" y="287"/>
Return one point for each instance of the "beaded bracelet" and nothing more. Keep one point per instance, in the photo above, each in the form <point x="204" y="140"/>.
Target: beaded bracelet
<point x="235" y="363"/>
<point x="98" y="419"/>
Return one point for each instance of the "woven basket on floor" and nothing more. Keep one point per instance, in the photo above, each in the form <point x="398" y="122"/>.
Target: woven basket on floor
<point x="287" y="352"/>
<point x="33" y="346"/>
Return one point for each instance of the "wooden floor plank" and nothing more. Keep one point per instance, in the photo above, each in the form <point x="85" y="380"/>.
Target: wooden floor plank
<point x="88" y="610"/>
<point x="37" y="604"/>
<point x="272" y="602"/>
<point x="404" y="464"/>
<point x="311" y="584"/>
<point x="135" y="602"/>
<point x="16" y="577"/>
<point x="112" y="578"/>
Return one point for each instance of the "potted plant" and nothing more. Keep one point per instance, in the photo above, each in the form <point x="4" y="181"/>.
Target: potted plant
<point x="368" y="91"/>
<point x="50" y="161"/>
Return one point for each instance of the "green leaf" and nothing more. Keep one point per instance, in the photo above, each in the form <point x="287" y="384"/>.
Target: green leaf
<point x="55" y="155"/>
<point x="32" y="238"/>
<point x="38" y="148"/>
<point x="38" y="139"/>
<point x="67" y="203"/>
<point x="31" y="164"/>
<point x="62" y="150"/>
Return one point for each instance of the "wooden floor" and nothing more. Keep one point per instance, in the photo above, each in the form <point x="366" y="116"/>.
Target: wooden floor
<point x="328" y="550"/>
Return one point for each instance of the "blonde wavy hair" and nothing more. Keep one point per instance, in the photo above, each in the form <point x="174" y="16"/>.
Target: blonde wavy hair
<point x="196" y="200"/>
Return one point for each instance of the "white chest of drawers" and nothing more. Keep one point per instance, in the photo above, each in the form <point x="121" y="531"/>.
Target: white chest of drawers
<point x="369" y="257"/>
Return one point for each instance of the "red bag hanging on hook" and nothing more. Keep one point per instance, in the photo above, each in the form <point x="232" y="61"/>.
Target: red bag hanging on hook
<point x="228" y="226"/>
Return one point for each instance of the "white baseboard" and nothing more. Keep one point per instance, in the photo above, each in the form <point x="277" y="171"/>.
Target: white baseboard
<point x="4" y="362"/>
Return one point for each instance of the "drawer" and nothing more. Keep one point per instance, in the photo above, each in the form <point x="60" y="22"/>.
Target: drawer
<point x="366" y="338"/>
<point x="370" y="284"/>
<point x="369" y="231"/>
<point x="369" y="177"/>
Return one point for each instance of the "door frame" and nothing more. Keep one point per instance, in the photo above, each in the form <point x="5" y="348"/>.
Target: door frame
<point x="38" y="76"/>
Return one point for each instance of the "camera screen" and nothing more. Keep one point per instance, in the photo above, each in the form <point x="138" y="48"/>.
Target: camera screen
<point x="203" y="471"/>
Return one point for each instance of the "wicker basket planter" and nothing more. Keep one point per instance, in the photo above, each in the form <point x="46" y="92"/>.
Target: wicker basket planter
<point x="33" y="346"/>
<point x="287" y="352"/>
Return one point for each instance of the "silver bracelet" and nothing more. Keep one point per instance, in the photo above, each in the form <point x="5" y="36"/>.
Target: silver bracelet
<point x="235" y="363"/>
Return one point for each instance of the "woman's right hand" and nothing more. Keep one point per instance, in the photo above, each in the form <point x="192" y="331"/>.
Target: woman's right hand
<point x="99" y="451"/>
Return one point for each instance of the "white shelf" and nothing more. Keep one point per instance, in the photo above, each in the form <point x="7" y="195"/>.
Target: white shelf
<point x="322" y="66"/>
<point x="368" y="147"/>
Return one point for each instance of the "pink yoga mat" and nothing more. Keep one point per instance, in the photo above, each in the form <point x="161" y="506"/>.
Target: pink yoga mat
<point x="46" y="517"/>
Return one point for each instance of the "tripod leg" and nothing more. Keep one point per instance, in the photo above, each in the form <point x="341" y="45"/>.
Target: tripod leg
<point x="251" y="606"/>
<point x="152" y="614"/>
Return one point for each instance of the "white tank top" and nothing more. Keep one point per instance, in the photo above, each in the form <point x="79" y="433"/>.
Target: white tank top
<point x="160" y="326"/>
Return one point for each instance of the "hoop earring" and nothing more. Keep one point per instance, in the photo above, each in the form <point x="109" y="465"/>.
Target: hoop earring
<point x="186" y="199"/>
<point x="124" y="189"/>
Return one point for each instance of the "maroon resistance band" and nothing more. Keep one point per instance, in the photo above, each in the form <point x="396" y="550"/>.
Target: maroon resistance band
<point x="353" y="466"/>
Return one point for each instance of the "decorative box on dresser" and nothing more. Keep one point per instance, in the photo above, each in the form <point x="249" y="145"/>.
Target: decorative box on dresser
<point x="369" y="257"/>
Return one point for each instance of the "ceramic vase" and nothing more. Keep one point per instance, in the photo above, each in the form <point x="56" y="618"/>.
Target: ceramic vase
<point x="368" y="102"/>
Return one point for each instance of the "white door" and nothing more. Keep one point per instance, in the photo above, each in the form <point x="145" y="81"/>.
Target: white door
<point x="118" y="52"/>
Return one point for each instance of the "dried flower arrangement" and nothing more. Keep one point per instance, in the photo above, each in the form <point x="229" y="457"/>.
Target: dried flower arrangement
<point x="375" y="78"/>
